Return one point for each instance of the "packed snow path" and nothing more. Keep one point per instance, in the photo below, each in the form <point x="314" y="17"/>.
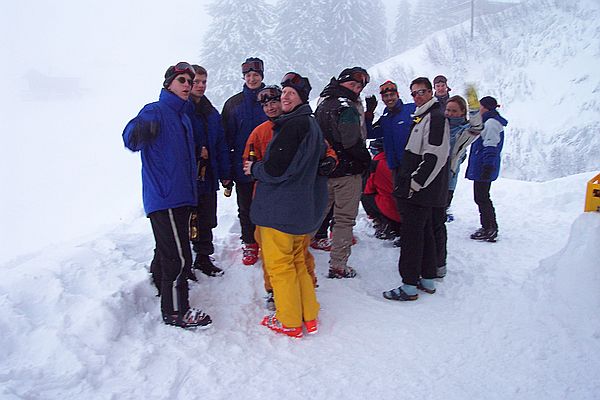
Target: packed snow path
<point x="517" y="319"/>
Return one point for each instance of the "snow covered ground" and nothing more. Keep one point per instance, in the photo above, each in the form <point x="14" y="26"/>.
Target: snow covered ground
<point x="517" y="319"/>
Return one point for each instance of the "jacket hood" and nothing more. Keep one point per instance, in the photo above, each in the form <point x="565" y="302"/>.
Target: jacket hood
<point x="334" y="89"/>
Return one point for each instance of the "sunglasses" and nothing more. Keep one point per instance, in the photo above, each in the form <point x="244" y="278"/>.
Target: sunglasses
<point x="388" y="86"/>
<point x="183" y="80"/>
<point x="256" y="66"/>
<point x="419" y="92"/>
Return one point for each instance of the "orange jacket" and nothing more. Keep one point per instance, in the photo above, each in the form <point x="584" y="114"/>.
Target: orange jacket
<point x="262" y="135"/>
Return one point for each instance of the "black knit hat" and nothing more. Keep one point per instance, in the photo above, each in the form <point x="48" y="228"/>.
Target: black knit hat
<point x="175" y="70"/>
<point x="253" y="64"/>
<point x="489" y="102"/>
<point x="299" y="83"/>
<point x="440" y="78"/>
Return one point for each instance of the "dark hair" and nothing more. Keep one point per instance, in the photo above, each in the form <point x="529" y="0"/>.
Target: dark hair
<point x="199" y="69"/>
<point x="421" y="81"/>
<point x="462" y="104"/>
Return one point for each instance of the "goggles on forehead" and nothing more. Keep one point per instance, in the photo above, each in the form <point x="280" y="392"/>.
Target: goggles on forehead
<point x="256" y="66"/>
<point x="388" y="86"/>
<point x="182" y="67"/>
<point x="356" y="76"/>
<point x="291" y="78"/>
<point x="268" y="94"/>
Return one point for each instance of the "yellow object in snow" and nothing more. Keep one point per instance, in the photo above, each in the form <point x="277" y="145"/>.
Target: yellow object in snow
<point x="472" y="99"/>
<point x="592" y="197"/>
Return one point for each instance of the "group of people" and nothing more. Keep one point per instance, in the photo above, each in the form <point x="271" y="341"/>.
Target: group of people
<point x="298" y="173"/>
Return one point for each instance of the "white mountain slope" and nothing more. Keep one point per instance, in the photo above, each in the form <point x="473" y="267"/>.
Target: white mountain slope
<point x="541" y="60"/>
<point x="512" y="320"/>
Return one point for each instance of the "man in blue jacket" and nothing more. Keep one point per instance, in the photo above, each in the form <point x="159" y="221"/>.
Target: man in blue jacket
<point x="241" y="114"/>
<point x="393" y="125"/>
<point x="212" y="156"/>
<point x="163" y="133"/>
<point x="484" y="166"/>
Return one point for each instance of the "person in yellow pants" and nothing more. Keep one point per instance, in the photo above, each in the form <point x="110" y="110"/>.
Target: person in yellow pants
<point x="289" y="203"/>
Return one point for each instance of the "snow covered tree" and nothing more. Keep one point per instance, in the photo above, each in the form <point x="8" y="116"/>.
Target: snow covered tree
<point x="238" y="30"/>
<point x="404" y="35"/>
<point x="303" y="46"/>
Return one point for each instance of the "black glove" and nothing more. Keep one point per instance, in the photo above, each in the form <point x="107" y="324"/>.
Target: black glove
<point x="326" y="166"/>
<point x="145" y="132"/>
<point x="371" y="103"/>
<point x="486" y="172"/>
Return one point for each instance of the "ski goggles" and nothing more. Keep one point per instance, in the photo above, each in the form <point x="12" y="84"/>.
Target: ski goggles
<point x="269" y="93"/>
<point x="183" y="67"/>
<point x="291" y="78"/>
<point x="387" y="87"/>
<point x="256" y="66"/>
<point x="356" y="76"/>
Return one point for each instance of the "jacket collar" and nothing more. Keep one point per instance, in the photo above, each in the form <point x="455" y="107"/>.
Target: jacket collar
<point x="174" y="102"/>
<point x="425" y="107"/>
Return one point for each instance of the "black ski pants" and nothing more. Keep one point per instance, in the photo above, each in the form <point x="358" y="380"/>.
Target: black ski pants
<point x="487" y="213"/>
<point x="206" y="212"/>
<point x="172" y="258"/>
<point x="418" y="255"/>
<point x="245" y="192"/>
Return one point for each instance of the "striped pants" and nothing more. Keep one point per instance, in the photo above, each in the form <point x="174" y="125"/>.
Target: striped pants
<point x="172" y="258"/>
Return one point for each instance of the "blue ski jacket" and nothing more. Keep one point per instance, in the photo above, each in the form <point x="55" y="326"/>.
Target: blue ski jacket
<point x="394" y="126"/>
<point x="168" y="160"/>
<point x="485" y="150"/>
<point x="241" y="114"/>
<point x="208" y="132"/>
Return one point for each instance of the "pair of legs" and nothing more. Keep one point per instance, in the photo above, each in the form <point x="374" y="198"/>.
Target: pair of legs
<point x="294" y="291"/>
<point x="487" y="213"/>
<point x="172" y="259"/>
<point x="344" y="195"/>
<point x="370" y="205"/>
<point x="245" y="192"/>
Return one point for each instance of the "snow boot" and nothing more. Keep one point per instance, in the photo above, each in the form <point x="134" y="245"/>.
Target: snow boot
<point x="321" y="244"/>
<point x="339" y="273"/>
<point x="193" y="318"/>
<point x="478" y="234"/>
<point x="311" y="327"/>
<point x="206" y="266"/>
<point x="271" y="322"/>
<point x="250" y="253"/>
<point x="400" y="293"/>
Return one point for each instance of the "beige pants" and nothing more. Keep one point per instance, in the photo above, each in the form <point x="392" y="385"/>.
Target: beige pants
<point x="344" y="193"/>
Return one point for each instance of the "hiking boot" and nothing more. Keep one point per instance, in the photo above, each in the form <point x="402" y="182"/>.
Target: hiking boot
<point x="192" y="276"/>
<point x="194" y="318"/>
<point x="271" y="322"/>
<point x="385" y="232"/>
<point x="426" y="285"/>
<point x="311" y="327"/>
<point x="490" y="235"/>
<point x="270" y="301"/>
<point x="478" y="234"/>
<point x="321" y="244"/>
<point x="339" y="273"/>
<point x="399" y="295"/>
<point x="206" y="266"/>
<point x="250" y="253"/>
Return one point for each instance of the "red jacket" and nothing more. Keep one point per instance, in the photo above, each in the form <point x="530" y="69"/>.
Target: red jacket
<point x="380" y="183"/>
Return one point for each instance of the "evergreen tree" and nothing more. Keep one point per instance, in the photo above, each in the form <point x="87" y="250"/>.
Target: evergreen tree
<point x="238" y="30"/>
<point x="404" y="36"/>
<point x="304" y="47"/>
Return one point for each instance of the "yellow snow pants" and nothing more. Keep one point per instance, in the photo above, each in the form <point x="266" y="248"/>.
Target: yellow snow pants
<point x="293" y="288"/>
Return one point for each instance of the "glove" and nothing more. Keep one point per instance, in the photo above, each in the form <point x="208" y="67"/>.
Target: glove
<point x="326" y="166"/>
<point x="486" y="172"/>
<point x="472" y="98"/>
<point x="145" y="132"/>
<point x="371" y="103"/>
